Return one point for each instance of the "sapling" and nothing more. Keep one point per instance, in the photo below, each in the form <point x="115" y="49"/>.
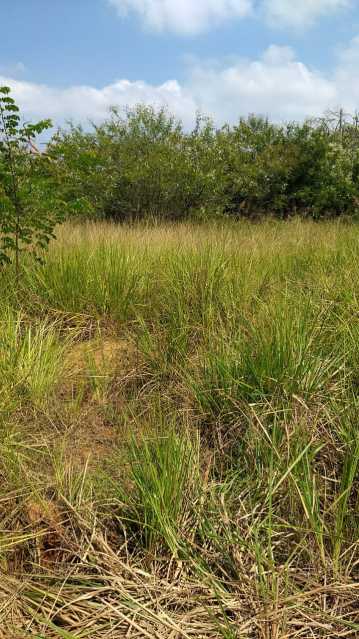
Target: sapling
<point x="27" y="220"/>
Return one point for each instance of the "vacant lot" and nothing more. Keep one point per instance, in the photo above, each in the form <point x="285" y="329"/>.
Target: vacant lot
<point x="179" y="434"/>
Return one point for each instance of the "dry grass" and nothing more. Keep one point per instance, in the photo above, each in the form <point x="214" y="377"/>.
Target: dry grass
<point x="180" y="450"/>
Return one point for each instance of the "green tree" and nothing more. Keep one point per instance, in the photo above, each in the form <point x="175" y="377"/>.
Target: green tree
<point x="26" y="217"/>
<point x="139" y="163"/>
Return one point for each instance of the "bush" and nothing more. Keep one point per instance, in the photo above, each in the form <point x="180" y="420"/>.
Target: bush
<point x="137" y="164"/>
<point x="142" y="164"/>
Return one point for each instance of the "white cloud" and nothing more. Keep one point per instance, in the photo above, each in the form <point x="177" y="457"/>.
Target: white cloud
<point x="277" y="84"/>
<point x="301" y="13"/>
<point x="186" y="17"/>
<point x="83" y="103"/>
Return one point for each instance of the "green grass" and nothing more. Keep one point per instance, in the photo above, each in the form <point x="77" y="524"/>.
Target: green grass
<point x="179" y="449"/>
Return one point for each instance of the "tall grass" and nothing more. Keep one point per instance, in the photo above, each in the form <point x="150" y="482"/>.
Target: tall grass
<point x="31" y="358"/>
<point x="179" y="447"/>
<point x="166" y="483"/>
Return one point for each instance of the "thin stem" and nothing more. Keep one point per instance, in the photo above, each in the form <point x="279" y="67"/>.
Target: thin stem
<point x="14" y="195"/>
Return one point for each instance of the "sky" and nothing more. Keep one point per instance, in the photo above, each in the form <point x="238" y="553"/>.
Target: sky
<point x="285" y="59"/>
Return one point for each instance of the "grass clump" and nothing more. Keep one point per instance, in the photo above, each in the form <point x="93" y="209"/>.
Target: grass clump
<point x="274" y="356"/>
<point x="164" y="473"/>
<point x="31" y="358"/>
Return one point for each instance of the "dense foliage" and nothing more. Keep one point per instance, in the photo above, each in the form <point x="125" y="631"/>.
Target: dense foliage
<point x="142" y="163"/>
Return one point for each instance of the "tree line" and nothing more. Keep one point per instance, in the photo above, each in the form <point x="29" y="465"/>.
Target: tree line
<point x="141" y="163"/>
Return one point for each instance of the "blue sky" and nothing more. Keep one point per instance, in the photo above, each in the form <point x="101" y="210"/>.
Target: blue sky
<point x="283" y="58"/>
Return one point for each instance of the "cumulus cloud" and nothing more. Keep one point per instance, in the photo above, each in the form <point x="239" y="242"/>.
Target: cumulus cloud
<point x="84" y="103"/>
<point x="188" y="17"/>
<point x="301" y="13"/>
<point x="184" y="16"/>
<point x="276" y="84"/>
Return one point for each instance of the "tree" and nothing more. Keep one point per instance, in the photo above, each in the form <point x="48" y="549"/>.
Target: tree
<point x="137" y="164"/>
<point x="26" y="220"/>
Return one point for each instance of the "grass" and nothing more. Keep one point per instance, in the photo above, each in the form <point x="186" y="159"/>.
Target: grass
<point x="180" y="447"/>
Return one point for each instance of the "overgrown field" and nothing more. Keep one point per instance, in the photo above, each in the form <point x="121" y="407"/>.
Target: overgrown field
<point x="179" y="434"/>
